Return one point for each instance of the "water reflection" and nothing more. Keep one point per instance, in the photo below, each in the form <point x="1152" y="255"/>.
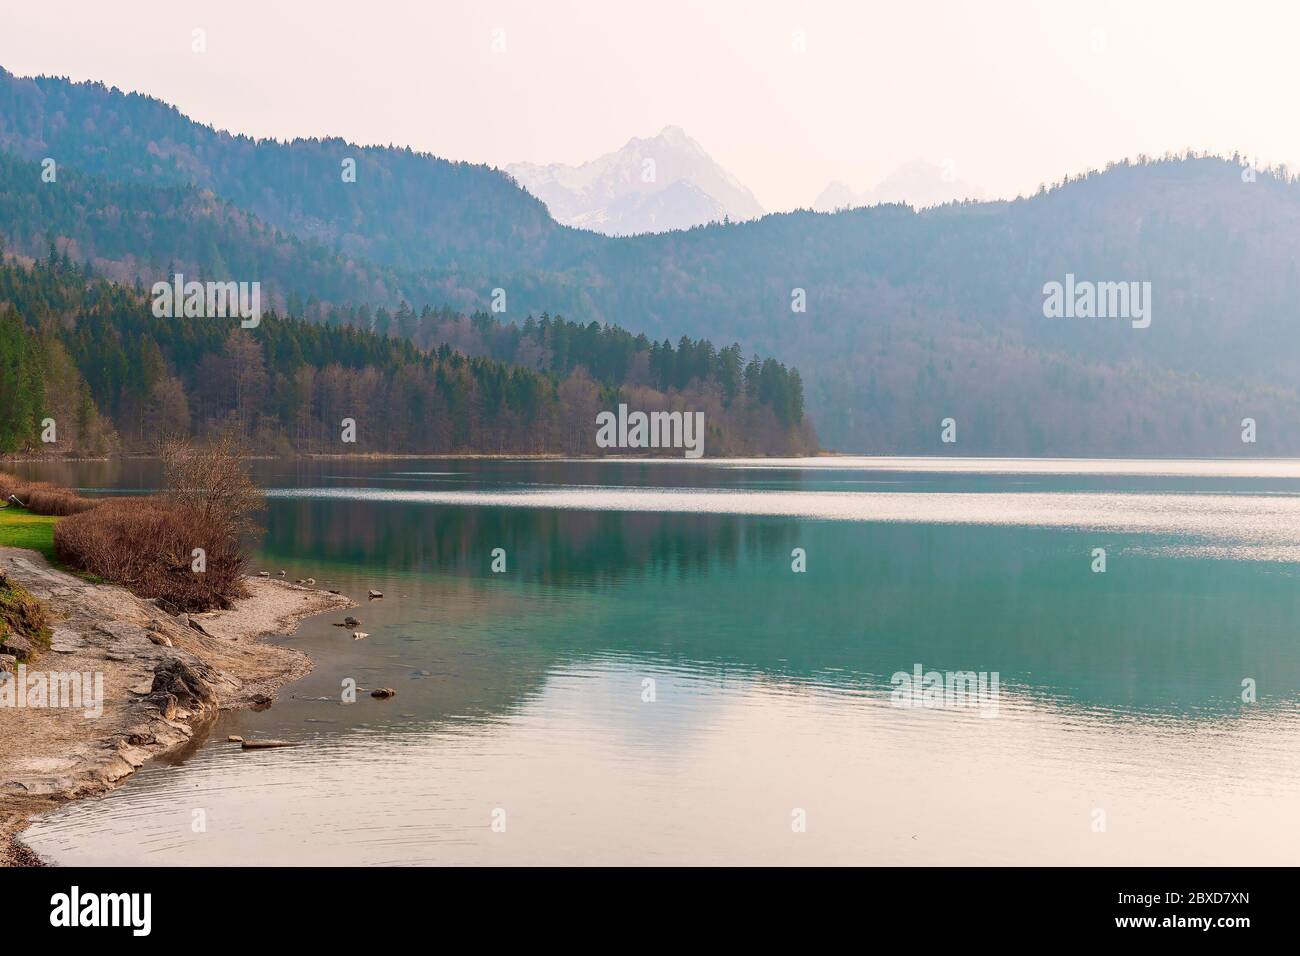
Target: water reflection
<point x="768" y="689"/>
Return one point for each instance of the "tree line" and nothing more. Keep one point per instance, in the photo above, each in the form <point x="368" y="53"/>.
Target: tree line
<point x="611" y="355"/>
<point x="90" y="354"/>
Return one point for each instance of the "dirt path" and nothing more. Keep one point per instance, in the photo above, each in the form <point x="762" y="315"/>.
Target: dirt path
<point x="49" y="755"/>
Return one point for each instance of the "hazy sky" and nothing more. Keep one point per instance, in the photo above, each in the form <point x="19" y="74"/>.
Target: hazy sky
<point x="1012" y="93"/>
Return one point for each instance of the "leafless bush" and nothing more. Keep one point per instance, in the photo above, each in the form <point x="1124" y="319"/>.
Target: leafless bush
<point x="212" y="481"/>
<point x="42" y="497"/>
<point x="147" y="546"/>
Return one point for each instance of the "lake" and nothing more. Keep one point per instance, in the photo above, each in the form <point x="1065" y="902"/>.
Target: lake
<point x="649" y="680"/>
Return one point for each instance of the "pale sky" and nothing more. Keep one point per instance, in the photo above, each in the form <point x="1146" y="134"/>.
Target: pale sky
<point x="1012" y="93"/>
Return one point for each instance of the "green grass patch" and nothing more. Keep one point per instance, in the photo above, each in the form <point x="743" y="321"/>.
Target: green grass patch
<point x="22" y="615"/>
<point x="19" y="528"/>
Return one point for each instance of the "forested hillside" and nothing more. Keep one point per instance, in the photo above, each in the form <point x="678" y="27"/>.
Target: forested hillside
<point x="409" y="209"/>
<point x="135" y="231"/>
<point x="910" y="317"/>
<point x="91" y="355"/>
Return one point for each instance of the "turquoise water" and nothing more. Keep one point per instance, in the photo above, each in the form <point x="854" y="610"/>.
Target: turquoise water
<point x="649" y="680"/>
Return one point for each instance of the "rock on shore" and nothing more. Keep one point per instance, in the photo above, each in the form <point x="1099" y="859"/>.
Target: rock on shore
<point x="162" y="681"/>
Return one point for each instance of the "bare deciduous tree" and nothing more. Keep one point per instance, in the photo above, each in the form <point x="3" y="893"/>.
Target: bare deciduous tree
<point x="212" y="481"/>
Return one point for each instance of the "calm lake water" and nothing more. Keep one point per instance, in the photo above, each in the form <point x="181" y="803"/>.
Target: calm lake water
<point x="649" y="681"/>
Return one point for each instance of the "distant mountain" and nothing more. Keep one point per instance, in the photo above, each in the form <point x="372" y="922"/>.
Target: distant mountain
<point x="918" y="184"/>
<point x="650" y="185"/>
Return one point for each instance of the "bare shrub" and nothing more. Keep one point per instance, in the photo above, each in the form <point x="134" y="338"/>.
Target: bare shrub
<point x="147" y="546"/>
<point x="212" y="481"/>
<point x="43" y="498"/>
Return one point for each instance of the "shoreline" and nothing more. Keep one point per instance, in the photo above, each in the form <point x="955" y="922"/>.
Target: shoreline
<point x="161" y="681"/>
<point x="415" y="456"/>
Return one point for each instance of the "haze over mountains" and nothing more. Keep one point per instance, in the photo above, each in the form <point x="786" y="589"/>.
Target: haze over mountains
<point x="911" y="316"/>
<point x="917" y="183"/>
<point x="650" y="185"/>
<point x="669" y="182"/>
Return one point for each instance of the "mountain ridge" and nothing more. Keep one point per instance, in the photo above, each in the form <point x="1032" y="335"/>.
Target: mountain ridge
<point x="911" y="316"/>
<point x="653" y="184"/>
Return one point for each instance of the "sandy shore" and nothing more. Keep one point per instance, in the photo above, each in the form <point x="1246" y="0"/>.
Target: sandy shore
<point x="51" y="755"/>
